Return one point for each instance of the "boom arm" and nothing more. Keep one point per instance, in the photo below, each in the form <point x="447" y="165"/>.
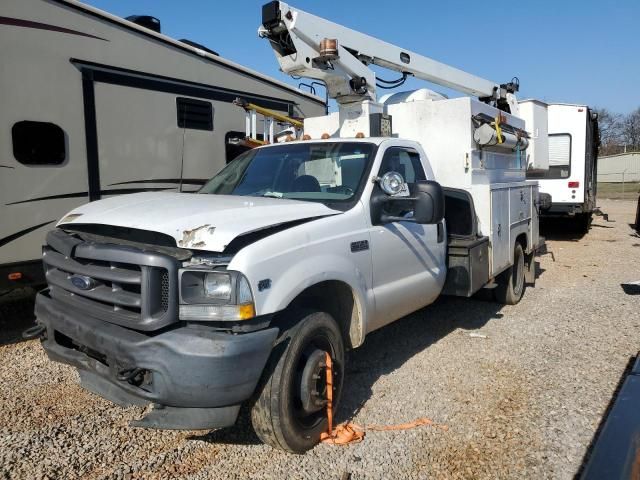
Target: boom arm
<point x="312" y="47"/>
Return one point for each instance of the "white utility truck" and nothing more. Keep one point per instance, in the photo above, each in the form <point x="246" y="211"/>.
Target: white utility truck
<point x="199" y="303"/>
<point x="570" y="178"/>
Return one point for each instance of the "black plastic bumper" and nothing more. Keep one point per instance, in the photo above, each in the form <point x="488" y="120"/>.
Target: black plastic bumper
<point x="196" y="377"/>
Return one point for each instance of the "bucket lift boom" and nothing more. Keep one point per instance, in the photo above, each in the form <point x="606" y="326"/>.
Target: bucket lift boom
<point x="312" y="47"/>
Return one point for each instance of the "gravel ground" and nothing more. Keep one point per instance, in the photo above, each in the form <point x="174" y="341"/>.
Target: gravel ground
<point x="524" y="402"/>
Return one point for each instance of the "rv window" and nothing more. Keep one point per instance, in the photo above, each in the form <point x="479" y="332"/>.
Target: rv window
<point x="559" y="158"/>
<point x="38" y="143"/>
<point x="194" y="114"/>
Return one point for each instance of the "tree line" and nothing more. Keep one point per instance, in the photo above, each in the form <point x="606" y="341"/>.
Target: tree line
<point x="618" y="133"/>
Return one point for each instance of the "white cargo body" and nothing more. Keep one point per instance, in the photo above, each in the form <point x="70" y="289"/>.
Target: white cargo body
<point x="496" y="178"/>
<point x="502" y="196"/>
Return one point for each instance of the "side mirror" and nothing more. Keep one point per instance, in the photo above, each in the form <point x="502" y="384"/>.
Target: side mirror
<point x="425" y="199"/>
<point x="429" y="202"/>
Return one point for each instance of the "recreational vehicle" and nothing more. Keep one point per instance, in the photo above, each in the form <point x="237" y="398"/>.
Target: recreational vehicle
<point x="573" y="154"/>
<point x="94" y="105"/>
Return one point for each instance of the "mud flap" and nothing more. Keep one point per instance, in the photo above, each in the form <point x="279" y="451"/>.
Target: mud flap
<point x="530" y="268"/>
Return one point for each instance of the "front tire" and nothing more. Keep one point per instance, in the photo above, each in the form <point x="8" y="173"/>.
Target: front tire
<point x="289" y="412"/>
<point x="511" y="282"/>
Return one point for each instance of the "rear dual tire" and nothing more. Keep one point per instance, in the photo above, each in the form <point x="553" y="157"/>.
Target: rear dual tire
<point x="511" y="282"/>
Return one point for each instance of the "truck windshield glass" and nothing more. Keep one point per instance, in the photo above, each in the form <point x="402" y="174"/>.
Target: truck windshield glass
<point x="321" y="172"/>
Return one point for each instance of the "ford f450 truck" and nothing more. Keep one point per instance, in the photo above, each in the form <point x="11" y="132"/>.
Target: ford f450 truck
<point x="198" y="303"/>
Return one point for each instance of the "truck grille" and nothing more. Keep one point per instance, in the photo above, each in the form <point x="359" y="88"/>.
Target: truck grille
<point x="164" y="290"/>
<point x="116" y="283"/>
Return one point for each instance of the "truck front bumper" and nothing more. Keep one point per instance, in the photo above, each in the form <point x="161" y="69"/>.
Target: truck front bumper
<point x="195" y="377"/>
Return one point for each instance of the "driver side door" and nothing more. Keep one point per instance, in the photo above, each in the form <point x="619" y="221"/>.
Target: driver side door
<point x="407" y="258"/>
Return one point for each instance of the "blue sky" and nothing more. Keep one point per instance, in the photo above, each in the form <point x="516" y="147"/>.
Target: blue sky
<point x="579" y="51"/>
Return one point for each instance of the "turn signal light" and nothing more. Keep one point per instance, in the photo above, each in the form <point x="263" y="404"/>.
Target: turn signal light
<point x="15" y="276"/>
<point x="574" y="184"/>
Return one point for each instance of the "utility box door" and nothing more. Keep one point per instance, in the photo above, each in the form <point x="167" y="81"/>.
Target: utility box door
<point x="500" y="230"/>
<point x="520" y="203"/>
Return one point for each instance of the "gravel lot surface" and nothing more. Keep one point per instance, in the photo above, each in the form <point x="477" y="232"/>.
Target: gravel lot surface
<point x="524" y="402"/>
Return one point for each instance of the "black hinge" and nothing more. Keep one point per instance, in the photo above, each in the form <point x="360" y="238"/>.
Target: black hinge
<point x="440" y="233"/>
<point x="360" y="246"/>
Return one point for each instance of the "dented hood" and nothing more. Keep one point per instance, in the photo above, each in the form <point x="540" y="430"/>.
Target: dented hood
<point x="197" y="221"/>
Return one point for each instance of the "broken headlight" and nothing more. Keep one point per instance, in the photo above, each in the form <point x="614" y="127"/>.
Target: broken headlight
<point x="207" y="295"/>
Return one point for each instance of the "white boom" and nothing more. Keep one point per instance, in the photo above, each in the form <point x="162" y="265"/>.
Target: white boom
<point x="312" y="47"/>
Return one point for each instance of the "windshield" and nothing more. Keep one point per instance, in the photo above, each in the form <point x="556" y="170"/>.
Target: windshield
<point x="323" y="172"/>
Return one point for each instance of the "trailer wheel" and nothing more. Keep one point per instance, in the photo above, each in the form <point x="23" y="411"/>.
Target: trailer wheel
<point x="511" y="284"/>
<point x="290" y="410"/>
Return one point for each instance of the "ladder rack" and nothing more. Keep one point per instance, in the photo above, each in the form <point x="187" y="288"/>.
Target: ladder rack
<point x="270" y="119"/>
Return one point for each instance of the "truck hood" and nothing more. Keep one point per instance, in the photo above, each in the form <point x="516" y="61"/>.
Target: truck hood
<point x="195" y="221"/>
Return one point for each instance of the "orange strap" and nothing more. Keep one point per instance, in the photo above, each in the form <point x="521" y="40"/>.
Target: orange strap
<point x="346" y="433"/>
<point x="329" y="377"/>
<point x="406" y="426"/>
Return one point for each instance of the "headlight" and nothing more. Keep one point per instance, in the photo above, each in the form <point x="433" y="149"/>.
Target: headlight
<point x="207" y="295"/>
<point x="217" y="285"/>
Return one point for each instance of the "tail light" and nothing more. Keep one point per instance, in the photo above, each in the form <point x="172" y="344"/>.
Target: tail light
<point x="574" y="184"/>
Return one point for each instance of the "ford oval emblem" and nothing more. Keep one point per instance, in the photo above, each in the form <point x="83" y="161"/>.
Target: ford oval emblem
<point x="82" y="282"/>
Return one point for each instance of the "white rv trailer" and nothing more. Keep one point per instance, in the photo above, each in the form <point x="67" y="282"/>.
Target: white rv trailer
<point x="573" y="154"/>
<point x="94" y="105"/>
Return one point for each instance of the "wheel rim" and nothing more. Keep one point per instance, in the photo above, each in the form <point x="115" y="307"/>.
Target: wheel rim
<point x="518" y="277"/>
<point x="308" y="388"/>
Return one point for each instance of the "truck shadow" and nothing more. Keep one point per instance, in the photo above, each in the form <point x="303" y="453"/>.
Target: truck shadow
<point x="389" y="348"/>
<point x="383" y="352"/>
<point x="560" y="229"/>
